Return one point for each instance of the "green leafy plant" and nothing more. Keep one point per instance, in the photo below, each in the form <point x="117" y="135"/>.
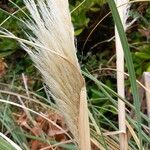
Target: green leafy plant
<point x="80" y="10"/>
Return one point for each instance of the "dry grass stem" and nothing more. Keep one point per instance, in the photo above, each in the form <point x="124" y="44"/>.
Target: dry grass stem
<point x="120" y="77"/>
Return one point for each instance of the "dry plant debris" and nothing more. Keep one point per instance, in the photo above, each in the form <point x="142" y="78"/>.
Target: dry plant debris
<point x="44" y="127"/>
<point x="3" y="67"/>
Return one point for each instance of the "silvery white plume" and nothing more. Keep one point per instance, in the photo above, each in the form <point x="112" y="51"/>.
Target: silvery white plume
<point x="51" y="46"/>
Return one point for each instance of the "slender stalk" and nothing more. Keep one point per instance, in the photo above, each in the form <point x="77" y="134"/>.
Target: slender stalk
<point x="130" y="66"/>
<point x="147" y="85"/>
<point x="84" y="134"/>
<point x="120" y="78"/>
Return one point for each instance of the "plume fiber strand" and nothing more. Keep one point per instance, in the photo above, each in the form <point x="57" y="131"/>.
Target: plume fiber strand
<point x="51" y="27"/>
